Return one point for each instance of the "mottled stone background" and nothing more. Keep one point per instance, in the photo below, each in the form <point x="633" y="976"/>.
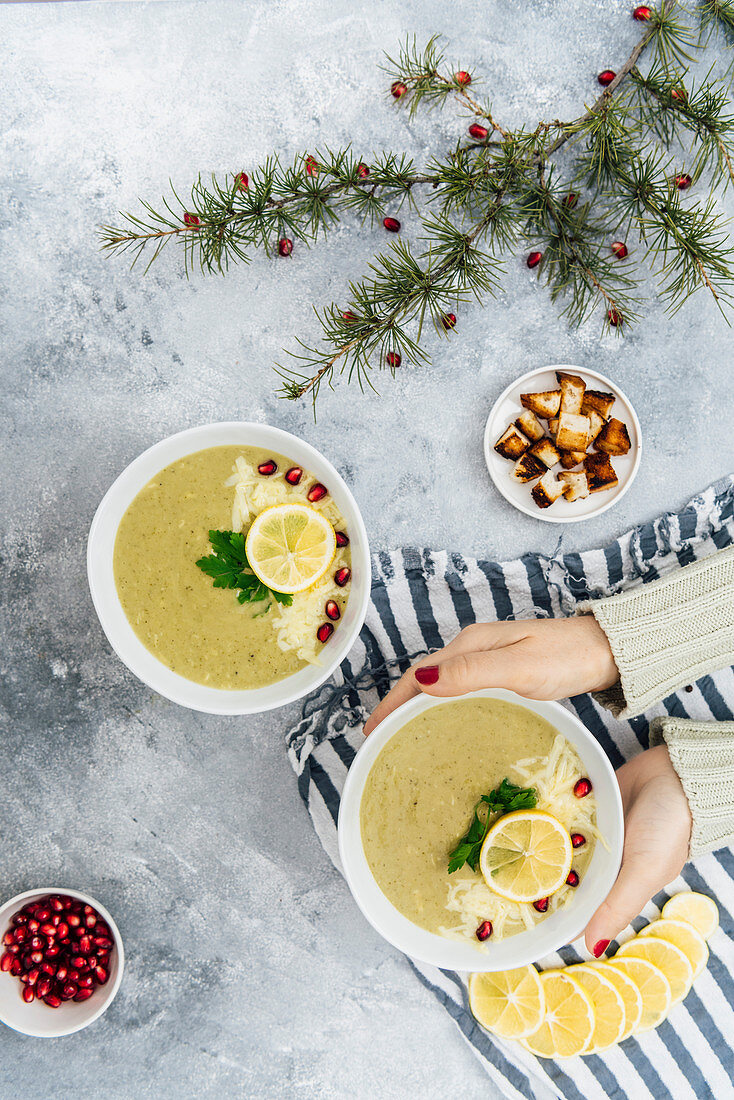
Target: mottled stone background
<point x="250" y="972"/>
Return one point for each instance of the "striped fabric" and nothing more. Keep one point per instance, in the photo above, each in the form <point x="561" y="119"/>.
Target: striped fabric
<point x="420" y="600"/>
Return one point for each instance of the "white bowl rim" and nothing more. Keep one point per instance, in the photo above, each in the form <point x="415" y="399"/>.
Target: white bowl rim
<point x="560" y="929"/>
<point x="131" y="650"/>
<point x="108" y="993"/>
<point x="615" y="494"/>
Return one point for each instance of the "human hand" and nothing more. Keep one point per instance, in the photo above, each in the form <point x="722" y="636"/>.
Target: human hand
<point x="537" y="658"/>
<point x="657" y="823"/>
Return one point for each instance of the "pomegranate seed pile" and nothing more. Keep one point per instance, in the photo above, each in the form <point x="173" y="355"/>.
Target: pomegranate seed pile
<point x="59" y="949"/>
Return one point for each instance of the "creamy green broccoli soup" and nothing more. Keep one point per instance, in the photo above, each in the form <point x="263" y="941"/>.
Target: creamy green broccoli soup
<point x="419" y="800"/>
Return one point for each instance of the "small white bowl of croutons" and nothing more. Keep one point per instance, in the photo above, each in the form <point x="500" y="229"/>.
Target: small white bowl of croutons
<point x="562" y="443"/>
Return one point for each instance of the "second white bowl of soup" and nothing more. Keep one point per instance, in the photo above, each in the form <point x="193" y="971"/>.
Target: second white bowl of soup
<point x="408" y="814"/>
<point x="170" y="564"/>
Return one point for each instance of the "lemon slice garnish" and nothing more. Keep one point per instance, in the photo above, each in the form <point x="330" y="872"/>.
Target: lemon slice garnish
<point x="526" y="855"/>
<point x="568" y="1024"/>
<point x="697" y="909"/>
<point x="509" y="1003"/>
<point x="290" y="546"/>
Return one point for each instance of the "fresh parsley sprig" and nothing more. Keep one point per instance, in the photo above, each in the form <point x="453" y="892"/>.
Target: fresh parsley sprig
<point x="502" y="800"/>
<point x="228" y="567"/>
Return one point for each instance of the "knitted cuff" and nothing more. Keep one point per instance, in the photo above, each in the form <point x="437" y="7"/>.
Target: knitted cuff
<point x="668" y="633"/>
<point x="702" y="754"/>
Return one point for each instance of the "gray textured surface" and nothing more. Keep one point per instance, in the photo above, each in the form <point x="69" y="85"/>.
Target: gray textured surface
<point x="250" y="972"/>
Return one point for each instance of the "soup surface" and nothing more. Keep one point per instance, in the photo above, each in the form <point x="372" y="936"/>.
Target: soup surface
<point x="419" y="797"/>
<point x="197" y="630"/>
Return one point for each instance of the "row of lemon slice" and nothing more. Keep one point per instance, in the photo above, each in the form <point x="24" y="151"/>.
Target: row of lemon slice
<point x="590" y="1006"/>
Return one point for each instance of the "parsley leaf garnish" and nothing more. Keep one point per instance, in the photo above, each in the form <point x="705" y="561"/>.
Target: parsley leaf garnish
<point x="502" y="800"/>
<point x="228" y="567"/>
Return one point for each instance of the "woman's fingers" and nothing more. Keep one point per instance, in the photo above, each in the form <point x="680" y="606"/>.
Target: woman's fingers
<point x="456" y="670"/>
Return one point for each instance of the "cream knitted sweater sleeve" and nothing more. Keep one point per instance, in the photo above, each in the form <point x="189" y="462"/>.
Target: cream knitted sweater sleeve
<point x="664" y="635"/>
<point x="668" y="633"/>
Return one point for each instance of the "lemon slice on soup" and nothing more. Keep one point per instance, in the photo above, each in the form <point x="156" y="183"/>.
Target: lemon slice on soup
<point x="653" y="986"/>
<point x="509" y="1003"/>
<point x="609" y="1011"/>
<point x="667" y="957"/>
<point x="697" y="909"/>
<point x="628" y="991"/>
<point x="526" y="855"/>
<point x="684" y="936"/>
<point x="289" y="547"/>
<point x="568" y="1024"/>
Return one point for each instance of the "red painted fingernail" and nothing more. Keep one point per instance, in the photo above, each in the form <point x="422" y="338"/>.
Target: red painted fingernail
<point x="600" y="947"/>
<point x="427" y="675"/>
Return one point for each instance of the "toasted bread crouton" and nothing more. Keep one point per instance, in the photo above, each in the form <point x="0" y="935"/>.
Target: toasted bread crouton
<point x="547" y="490"/>
<point x="614" y="438"/>
<point x="572" y="433"/>
<point x="599" y="472"/>
<point x="569" y="459"/>
<point x="553" y="426"/>
<point x="527" y="468"/>
<point x="544" y="404"/>
<point x="530" y="425"/>
<point x="572" y="392"/>
<point x="574" y="485"/>
<point x="512" y="443"/>
<point x="596" y="423"/>
<point x="545" y="450"/>
<point x="599" y="400"/>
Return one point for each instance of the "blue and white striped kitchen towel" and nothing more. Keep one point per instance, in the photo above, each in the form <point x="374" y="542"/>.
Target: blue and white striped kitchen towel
<point x="419" y="601"/>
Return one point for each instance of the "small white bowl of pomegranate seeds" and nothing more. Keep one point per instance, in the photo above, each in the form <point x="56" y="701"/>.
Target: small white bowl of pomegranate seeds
<point x="61" y="963"/>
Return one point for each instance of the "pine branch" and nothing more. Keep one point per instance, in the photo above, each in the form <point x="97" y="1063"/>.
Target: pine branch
<point x="480" y="199"/>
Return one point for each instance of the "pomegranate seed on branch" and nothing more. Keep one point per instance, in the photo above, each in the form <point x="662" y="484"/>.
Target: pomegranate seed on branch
<point x="343" y="576"/>
<point x="484" y="931"/>
<point x="578" y="840"/>
<point x="683" y="182"/>
<point x="478" y="132"/>
<point x="619" y="248"/>
<point x="582" y="787"/>
<point x="294" y="475"/>
<point x="615" y="318"/>
<point x="285" y="246"/>
<point x="573" y="879"/>
<point x="348" y="315"/>
<point x="398" y="89"/>
<point x="570" y="200"/>
<point x="193" y="221"/>
<point x="391" y="224"/>
<point x="332" y="610"/>
<point x="312" y="166"/>
<point x="541" y="905"/>
<point x="363" y="171"/>
<point x="448" y="321"/>
<point x="268" y="468"/>
<point x="679" y="94"/>
<point x="642" y="14"/>
<point x="605" y="77"/>
<point x="243" y="181"/>
<point x="534" y="259"/>
<point x="342" y="539"/>
<point x="317" y="492"/>
<point x="463" y="78"/>
<point x="393" y="359"/>
<point x="324" y="632"/>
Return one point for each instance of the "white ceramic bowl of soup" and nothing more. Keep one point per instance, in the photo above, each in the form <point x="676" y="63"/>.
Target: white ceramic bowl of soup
<point x="558" y="929"/>
<point x="37" y="1018"/>
<point x="120" y="634"/>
